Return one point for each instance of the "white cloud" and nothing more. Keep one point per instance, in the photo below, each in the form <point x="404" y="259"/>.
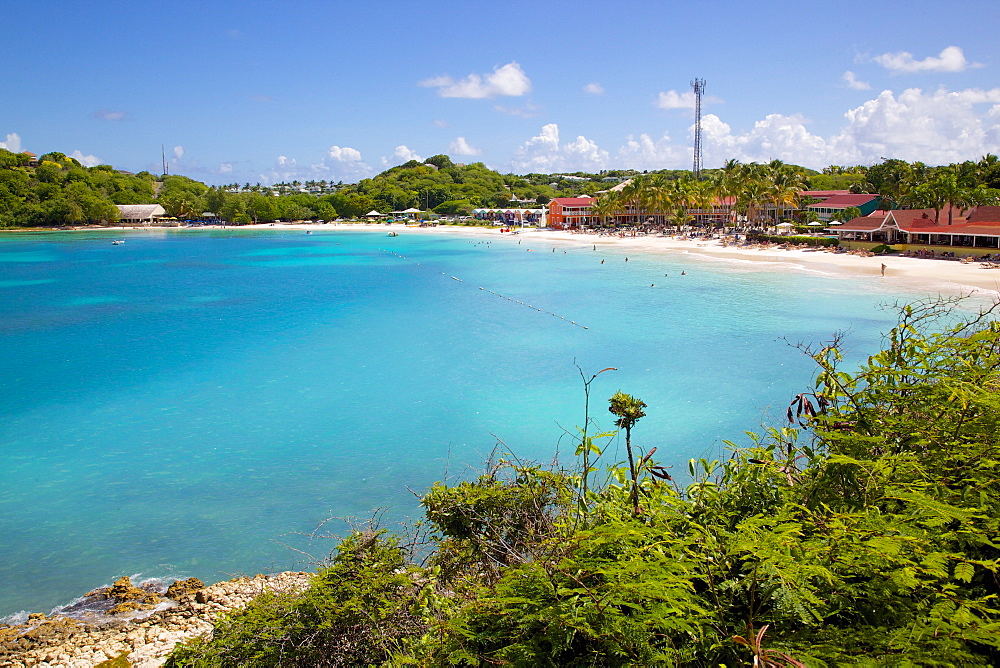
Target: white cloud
<point x="225" y="168"/>
<point x="461" y="147"/>
<point x="671" y="99"/>
<point x="594" y="89"/>
<point x="12" y="142"/>
<point x="344" y="154"/>
<point x="108" y="115"/>
<point x="951" y="59"/>
<point x="851" y="80"/>
<point x="404" y="153"/>
<point x="341" y="163"/>
<point x="674" y="100"/>
<point x="544" y="153"/>
<point x="85" y="160"/>
<point x="508" y="80"/>
<point x="178" y="152"/>
<point x="776" y="136"/>
<point x="643" y="152"/>
<point x="440" y="123"/>
<point x="937" y="128"/>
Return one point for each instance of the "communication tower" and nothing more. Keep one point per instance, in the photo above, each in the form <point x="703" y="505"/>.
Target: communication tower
<point x="699" y="88"/>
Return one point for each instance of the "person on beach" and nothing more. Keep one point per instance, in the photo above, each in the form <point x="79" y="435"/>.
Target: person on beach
<point x="883" y="270"/>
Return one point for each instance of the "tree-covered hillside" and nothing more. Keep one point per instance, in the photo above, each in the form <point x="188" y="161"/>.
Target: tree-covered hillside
<point x="60" y="191"/>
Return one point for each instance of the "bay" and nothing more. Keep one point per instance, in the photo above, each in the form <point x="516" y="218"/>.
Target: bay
<point x="196" y="403"/>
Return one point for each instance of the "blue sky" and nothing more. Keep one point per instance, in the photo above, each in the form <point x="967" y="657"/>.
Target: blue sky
<point x="265" y="92"/>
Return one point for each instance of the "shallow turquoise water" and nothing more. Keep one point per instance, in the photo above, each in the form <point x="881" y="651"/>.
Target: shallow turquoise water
<point x="191" y="403"/>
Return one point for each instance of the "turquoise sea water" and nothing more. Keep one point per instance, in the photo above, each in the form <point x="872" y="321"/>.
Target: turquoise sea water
<point x="191" y="403"/>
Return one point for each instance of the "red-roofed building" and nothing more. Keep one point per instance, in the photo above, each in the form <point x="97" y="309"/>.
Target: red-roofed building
<point x="984" y="215"/>
<point x="976" y="233"/>
<point x="823" y="194"/>
<point x="836" y="203"/>
<point x="570" y="212"/>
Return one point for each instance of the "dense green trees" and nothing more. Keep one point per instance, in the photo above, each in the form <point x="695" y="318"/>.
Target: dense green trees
<point x="60" y="191"/>
<point x="916" y="185"/>
<point x="861" y="532"/>
<point x="750" y="187"/>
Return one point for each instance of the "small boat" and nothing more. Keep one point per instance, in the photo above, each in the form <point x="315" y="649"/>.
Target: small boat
<point x="117" y="242"/>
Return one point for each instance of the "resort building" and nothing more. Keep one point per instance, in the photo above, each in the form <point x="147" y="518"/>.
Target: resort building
<point x="140" y="214"/>
<point x="571" y="212"/>
<point x="837" y="202"/>
<point x="975" y="232"/>
<point x="511" y="216"/>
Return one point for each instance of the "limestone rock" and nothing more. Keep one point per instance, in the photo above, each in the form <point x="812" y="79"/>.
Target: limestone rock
<point x="182" y="588"/>
<point x="147" y="641"/>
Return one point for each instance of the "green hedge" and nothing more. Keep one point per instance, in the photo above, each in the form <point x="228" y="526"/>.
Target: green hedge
<point x="801" y="240"/>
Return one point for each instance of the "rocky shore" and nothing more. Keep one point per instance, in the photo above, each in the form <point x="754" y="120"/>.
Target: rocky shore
<point x="140" y="626"/>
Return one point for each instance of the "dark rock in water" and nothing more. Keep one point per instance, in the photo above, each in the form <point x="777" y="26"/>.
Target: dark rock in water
<point x="182" y="588"/>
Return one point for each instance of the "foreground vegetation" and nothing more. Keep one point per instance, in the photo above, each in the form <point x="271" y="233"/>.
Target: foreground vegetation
<point x="863" y="531"/>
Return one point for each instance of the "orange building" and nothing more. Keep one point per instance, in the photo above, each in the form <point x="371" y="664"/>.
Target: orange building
<point x="570" y="212"/>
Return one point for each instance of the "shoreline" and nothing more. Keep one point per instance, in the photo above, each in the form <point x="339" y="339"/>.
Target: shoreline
<point x="145" y="640"/>
<point x="934" y="276"/>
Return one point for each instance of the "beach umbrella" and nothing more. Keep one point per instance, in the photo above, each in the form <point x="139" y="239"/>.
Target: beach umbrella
<point x="836" y="222"/>
<point x="785" y="225"/>
<point x="815" y="224"/>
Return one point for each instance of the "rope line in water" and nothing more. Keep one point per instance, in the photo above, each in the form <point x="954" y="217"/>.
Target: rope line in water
<point x="496" y="294"/>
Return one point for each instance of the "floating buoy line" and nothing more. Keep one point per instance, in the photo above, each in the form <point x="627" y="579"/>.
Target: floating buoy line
<point x="495" y="294"/>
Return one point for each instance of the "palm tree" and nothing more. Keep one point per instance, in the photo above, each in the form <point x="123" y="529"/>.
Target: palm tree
<point x="632" y="196"/>
<point x="702" y="196"/>
<point x="946" y="188"/>
<point x="605" y="206"/>
<point x="784" y="186"/>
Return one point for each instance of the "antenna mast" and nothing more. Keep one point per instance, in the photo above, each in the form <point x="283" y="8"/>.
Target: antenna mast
<point x="699" y="88"/>
<point x="163" y="155"/>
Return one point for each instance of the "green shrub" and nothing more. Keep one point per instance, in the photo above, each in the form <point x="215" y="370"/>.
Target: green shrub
<point x="361" y="610"/>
